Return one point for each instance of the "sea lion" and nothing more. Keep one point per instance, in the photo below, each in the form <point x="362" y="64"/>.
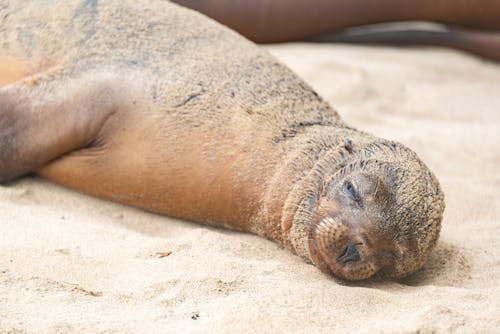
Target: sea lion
<point x="156" y="106"/>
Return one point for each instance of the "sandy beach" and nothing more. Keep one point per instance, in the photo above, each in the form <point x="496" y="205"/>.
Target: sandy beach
<point x="70" y="263"/>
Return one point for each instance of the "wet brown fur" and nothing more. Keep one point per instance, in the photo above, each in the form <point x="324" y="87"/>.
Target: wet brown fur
<point x="155" y="106"/>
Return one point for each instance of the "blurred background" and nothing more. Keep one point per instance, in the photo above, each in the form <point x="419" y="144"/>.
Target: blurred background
<point x="472" y="26"/>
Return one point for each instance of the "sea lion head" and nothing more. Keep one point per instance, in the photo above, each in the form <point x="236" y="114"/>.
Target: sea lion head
<point x="380" y="213"/>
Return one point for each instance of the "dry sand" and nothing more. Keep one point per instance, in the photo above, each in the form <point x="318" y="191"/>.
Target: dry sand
<point x="75" y="264"/>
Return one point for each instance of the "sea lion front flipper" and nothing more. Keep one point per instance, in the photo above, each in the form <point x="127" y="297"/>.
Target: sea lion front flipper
<point x="47" y="115"/>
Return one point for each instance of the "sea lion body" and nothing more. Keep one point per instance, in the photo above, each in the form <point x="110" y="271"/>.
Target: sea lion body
<point x="156" y="106"/>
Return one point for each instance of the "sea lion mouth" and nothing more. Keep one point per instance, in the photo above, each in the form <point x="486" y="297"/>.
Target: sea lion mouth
<point x="337" y="252"/>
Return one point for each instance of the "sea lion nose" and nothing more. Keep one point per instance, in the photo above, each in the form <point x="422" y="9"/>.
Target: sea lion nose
<point x="350" y="254"/>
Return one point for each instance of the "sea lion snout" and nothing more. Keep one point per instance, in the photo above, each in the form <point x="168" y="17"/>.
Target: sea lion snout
<point x="343" y="249"/>
<point x="349" y="254"/>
